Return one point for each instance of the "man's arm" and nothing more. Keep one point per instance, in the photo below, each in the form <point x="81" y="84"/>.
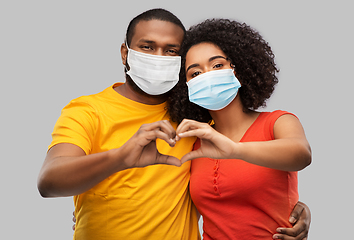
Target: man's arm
<point x="68" y="171"/>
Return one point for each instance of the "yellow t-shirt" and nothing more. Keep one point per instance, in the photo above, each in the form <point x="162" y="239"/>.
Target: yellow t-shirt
<point x="140" y="203"/>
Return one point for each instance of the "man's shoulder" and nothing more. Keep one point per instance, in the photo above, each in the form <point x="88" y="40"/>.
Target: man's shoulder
<point x="104" y="95"/>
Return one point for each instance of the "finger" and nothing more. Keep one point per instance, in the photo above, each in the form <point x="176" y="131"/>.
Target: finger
<point x="302" y="236"/>
<point x="298" y="230"/>
<point x="190" y="156"/>
<point x="202" y="133"/>
<point x="152" y="131"/>
<point x="74" y="220"/>
<point x="305" y="215"/>
<point x="295" y="214"/>
<point x="184" y="134"/>
<point x="165" y="126"/>
<point x="153" y="135"/>
<point x="169" y="160"/>
<point x="188" y="125"/>
<point x="181" y="127"/>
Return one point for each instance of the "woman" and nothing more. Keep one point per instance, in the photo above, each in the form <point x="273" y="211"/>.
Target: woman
<point x="245" y="165"/>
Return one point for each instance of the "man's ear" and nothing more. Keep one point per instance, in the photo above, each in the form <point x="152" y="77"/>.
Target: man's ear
<point x="124" y="53"/>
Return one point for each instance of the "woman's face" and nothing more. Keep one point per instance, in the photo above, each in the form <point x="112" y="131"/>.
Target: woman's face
<point x="205" y="57"/>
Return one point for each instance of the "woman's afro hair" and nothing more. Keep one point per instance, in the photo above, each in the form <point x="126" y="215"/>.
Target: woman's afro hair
<point x="248" y="52"/>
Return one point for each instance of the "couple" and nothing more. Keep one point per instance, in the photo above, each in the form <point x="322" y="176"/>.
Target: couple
<point x="114" y="151"/>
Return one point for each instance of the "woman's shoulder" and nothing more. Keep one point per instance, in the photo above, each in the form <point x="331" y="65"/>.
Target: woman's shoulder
<point x="274" y="115"/>
<point x="267" y="120"/>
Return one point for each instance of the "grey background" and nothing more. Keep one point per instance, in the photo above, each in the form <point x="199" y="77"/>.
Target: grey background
<point x="54" y="51"/>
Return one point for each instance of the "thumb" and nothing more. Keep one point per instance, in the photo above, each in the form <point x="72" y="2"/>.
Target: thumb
<point x="169" y="160"/>
<point x="295" y="214"/>
<point x="190" y="156"/>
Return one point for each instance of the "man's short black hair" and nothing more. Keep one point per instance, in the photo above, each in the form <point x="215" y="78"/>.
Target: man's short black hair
<point x="153" y="14"/>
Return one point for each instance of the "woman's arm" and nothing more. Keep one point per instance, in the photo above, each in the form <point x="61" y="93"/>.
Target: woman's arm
<point x="290" y="150"/>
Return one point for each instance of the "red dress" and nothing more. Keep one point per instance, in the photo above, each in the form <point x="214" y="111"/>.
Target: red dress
<point x="239" y="200"/>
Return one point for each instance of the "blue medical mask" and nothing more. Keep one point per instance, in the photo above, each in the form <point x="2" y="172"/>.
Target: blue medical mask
<point x="213" y="90"/>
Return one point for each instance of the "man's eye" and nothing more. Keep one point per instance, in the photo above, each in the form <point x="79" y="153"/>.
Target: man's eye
<point x="172" y="52"/>
<point x="146" y="47"/>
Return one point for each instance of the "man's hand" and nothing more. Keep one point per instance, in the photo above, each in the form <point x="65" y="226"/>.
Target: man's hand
<point x="140" y="150"/>
<point x="74" y="220"/>
<point x="300" y="218"/>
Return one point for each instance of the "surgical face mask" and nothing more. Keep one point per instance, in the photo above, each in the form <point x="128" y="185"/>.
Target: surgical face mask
<point x="153" y="74"/>
<point x="213" y="90"/>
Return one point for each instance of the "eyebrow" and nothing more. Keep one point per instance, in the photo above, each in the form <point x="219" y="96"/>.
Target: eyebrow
<point x="210" y="59"/>
<point x="153" y="42"/>
<point x="146" y="41"/>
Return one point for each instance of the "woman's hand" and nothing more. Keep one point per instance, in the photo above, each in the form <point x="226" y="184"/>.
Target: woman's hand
<point x="213" y="143"/>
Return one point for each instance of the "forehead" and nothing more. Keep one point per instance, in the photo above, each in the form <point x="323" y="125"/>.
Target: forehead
<point x="158" y="31"/>
<point x="202" y="52"/>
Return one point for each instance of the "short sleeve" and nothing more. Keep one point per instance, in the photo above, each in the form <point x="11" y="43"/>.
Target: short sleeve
<point x="76" y="125"/>
<point x="272" y="118"/>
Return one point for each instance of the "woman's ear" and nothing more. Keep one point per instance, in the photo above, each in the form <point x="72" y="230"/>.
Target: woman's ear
<point x="124" y="53"/>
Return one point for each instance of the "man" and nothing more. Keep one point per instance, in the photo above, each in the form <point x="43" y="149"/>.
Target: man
<point x="114" y="151"/>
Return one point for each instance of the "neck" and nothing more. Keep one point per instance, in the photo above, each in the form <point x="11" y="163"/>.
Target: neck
<point x="232" y="121"/>
<point x="133" y="92"/>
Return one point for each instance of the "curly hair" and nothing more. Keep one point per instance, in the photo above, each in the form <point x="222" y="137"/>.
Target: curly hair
<point x="250" y="54"/>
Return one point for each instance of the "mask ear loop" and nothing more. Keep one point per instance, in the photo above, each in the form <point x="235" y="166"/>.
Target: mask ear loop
<point x="233" y="67"/>
<point x="231" y="64"/>
<point x="126" y="44"/>
<point x="125" y="66"/>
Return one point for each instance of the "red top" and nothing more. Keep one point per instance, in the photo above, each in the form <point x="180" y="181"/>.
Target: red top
<point x="239" y="200"/>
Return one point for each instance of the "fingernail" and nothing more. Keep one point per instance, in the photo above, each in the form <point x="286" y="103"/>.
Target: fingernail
<point x="292" y="219"/>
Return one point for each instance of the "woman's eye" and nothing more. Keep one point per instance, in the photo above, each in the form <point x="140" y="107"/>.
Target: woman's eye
<point x="218" y="65"/>
<point x="195" y="74"/>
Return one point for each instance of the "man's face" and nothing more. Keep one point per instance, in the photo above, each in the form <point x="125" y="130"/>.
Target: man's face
<point x="156" y="37"/>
